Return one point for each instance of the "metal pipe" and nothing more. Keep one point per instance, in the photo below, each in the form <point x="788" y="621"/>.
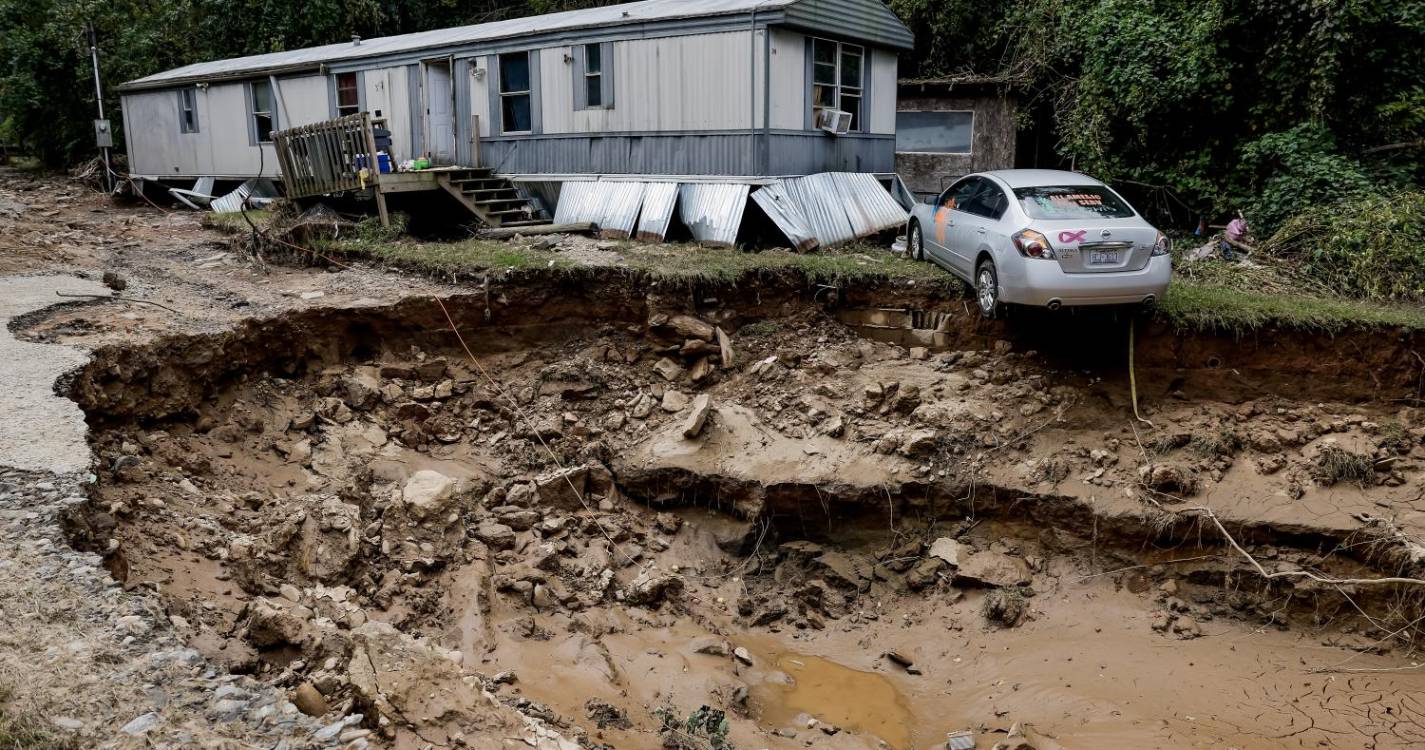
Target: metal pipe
<point x="99" y="97"/>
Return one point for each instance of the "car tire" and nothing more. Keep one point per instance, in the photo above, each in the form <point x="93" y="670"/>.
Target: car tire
<point x="915" y="240"/>
<point x="987" y="290"/>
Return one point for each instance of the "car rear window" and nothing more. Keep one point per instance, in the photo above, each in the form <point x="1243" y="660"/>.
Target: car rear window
<point x="1072" y="202"/>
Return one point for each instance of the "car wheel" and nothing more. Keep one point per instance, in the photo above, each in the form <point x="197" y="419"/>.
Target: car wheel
<point x="917" y="241"/>
<point x="987" y="289"/>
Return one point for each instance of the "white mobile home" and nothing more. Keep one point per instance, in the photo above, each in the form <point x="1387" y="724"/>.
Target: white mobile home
<point x="688" y="88"/>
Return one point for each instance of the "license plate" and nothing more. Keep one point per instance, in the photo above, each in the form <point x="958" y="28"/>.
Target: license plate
<point x="1103" y="257"/>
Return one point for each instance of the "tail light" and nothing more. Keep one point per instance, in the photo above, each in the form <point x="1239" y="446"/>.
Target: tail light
<point x="1162" y="245"/>
<point x="1032" y="244"/>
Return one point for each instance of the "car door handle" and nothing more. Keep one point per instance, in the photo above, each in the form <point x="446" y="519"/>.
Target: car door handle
<point x="981" y="230"/>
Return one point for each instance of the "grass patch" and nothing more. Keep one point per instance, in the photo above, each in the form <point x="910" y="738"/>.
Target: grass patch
<point x="1336" y="464"/>
<point x="1194" y="306"/>
<point x="668" y="262"/>
<point x="234" y="222"/>
<point x="26" y="732"/>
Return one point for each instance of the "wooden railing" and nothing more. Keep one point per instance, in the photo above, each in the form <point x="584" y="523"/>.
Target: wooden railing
<point x="331" y="156"/>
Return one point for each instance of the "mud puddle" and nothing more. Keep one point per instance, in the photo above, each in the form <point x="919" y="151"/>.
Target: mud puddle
<point x="809" y="690"/>
<point x="576" y="551"/>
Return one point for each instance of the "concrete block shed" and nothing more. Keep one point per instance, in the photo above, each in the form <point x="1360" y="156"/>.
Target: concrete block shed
<point x="690" y="91"/>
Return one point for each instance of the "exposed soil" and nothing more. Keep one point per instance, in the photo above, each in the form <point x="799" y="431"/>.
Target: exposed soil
<point x="893" y="522"/>
<point x="858" y="545"/>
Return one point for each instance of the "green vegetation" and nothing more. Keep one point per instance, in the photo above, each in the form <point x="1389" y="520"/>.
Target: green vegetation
<point x="1373" y="247"/>
<point x="1197" y="307"/>
<point x="235" y="222"/>
<point x="1273" y="107"/>
<point x="671" y="262"/>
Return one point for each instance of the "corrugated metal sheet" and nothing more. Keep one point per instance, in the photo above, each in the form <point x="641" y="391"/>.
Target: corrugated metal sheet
<point x="818" y="199"/>
<point x="621" y="201"/>
<point x="589" y="18"/>
<point x="779" y="207"/>
<point x="712" y="212"/>
<point x="613" y="205"/>
<point x="658" y="201"/>
<point x="831" y="207"/>
<point x="578" y="202"/>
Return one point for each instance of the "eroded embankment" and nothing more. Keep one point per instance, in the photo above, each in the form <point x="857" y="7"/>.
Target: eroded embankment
<point x="571" y="536"/>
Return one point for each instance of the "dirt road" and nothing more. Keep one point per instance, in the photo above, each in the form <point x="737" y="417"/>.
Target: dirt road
<point x="635" y="516"/>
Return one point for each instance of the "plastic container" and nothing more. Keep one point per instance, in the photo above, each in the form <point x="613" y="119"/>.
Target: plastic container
<point x="383" y="162"/>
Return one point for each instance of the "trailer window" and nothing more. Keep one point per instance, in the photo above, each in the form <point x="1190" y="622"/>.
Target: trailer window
<point x="263" y="123"/>
<point x="837" y="79"/>
<point x="188" y="110"/>
<point x="593" y="75"/>
<point x="348" y="97"/>
<point x="515" y="110"/>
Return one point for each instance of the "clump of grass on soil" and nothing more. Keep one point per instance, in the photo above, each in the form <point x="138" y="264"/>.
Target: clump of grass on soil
<point x="1336" y="464"/>
<point x="19" y="731"/>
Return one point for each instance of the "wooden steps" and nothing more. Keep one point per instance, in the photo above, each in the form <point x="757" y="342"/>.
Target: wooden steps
<point x="493" y="200"/>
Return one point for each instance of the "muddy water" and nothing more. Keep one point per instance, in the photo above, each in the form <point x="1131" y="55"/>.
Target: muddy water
<point x="863" y="702"/>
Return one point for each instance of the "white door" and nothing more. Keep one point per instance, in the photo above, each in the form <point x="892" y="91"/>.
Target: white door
<point x="440" y="113"/>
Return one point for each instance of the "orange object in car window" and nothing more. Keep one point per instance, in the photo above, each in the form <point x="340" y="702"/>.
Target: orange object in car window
<point x="942" y="220"/>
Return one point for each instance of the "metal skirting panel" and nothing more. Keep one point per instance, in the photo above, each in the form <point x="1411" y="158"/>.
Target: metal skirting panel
<point x="787" y="215"/>
<point x="830" y="208"/>
<point x="711" y="154"/>
<point x="658" y="201"/>
<point x="712" y="212"/>
<point x="622" y="200"/>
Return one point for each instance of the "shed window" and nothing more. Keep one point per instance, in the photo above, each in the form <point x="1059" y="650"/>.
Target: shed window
<point x="263" y="121"/>
<point x="188" y="110"/>
<point x="348" y="98"/>
<point x="515" y="112"/>
<point x="943" y="132"/>
<point x="837" y="78"/>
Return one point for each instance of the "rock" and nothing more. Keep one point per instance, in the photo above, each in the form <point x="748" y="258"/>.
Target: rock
<point x="925" y="573"/>
<point x="362" y="388"/>
<point x="428" y="493"/>
<point x="698" y="416"/>
<point x="901" y="660"/>
<point x="669" y="369"/>
<point x="1162" y="621"/>
<point x="712" y="645"/>
<point x="674" y="401"/>
<point x="1169" y="587"/>
<point x="688" y="327"/>
<point x="1186" y="628"/>
<point x="642" y="406"/>
<point x="947" y="549"/>
<point x="496" y="535"/>
<point x="309" y="700"/>
<point x="269" y="626"/>
<point x="1168" y="478"/>
<point x="920" y="443"/>
<point x="833" y="426"/>
<point x="140" y="725"/>
<point x="650" y="589"/>
<point x="993" y="569"/>
<point x="743" y="655"/>
<point x="330" y="538"/>
<point x="564" y="489"/>
<point x="724" y="343"/>
<point x="700" y="369"/>
<point x="919" y="353"/>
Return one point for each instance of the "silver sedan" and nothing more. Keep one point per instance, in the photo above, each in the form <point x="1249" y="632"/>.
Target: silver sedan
<point x="1041" y="237"/>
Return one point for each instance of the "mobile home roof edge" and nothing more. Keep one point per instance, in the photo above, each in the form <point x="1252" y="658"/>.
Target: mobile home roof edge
<point x="870" y="20"/>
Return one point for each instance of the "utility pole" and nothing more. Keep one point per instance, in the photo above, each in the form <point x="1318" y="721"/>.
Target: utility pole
<point x="103" y="135"/>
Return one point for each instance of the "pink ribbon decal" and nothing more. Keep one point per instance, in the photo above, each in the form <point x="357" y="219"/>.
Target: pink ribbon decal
<point x="1073" y="236"/>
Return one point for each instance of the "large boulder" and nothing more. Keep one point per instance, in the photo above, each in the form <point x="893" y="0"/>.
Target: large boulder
<point x="992" y="569"/>
<point x="330" y="538"/>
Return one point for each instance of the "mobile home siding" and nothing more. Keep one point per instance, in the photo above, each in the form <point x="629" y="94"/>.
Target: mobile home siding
<point x="388" y="98"/>
<point x="698" y="82"/>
